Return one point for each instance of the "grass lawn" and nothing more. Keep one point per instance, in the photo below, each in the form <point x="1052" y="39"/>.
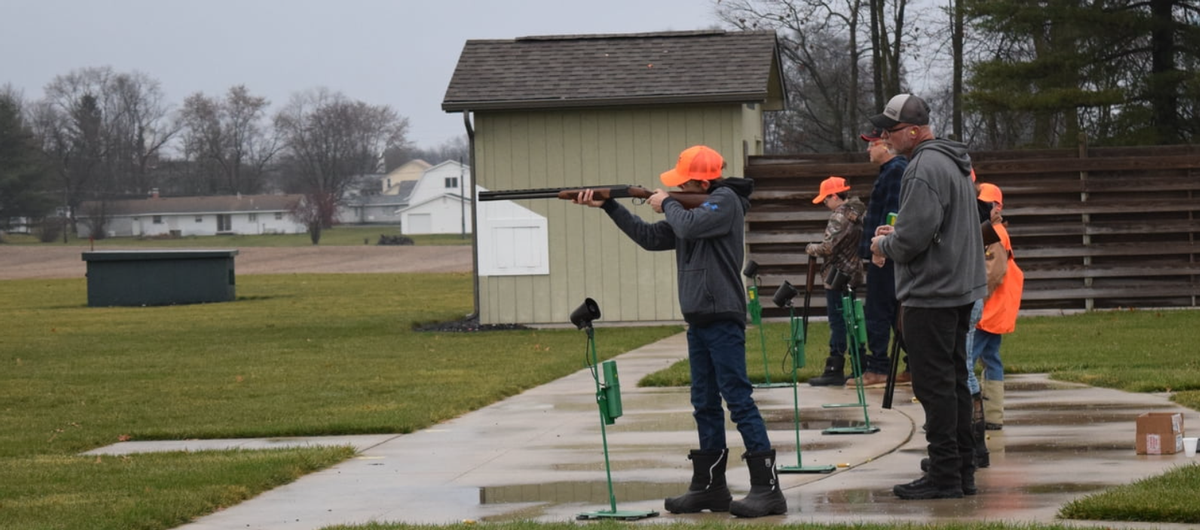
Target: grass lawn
<point x="336" y="354"/>
<point x="341" y="235"/>
<point x="294" y="355"/>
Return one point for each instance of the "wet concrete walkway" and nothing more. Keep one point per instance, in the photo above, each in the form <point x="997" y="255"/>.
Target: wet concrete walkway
<point x="539" y="456"/>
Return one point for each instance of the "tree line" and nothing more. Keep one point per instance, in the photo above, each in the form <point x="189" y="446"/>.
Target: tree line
<point x="100" y="135"/>
<point x="999" y="74"/>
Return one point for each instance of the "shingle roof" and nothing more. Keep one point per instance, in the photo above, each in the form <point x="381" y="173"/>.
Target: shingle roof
<point x="214" y="204"/>
<point x="604" y="70"/>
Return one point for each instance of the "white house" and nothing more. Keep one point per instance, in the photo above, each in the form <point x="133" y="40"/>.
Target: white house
<point x="190" y="216"/>
<point x="439" y="203"/>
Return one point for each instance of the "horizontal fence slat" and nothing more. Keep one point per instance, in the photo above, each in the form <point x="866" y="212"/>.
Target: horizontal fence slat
<point x="1123" y="218"/>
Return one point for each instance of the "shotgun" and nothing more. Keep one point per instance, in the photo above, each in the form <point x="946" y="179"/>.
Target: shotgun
<point x="688" y="200"/>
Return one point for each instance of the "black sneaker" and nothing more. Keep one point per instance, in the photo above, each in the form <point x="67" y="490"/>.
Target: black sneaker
<point x="968" y="480"/>
<point x="923" y="488"/>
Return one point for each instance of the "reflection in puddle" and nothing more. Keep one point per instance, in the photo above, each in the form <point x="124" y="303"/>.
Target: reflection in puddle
<point x="575" y="492"/>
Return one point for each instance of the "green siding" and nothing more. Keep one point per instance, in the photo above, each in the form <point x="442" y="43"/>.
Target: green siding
<point x="589" y="257"/>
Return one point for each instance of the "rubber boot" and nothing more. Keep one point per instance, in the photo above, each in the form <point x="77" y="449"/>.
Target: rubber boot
<point x="708" y="490"/>
<point x="993" y="404"/>
<point x="978" y="428"/>
<point x="765" y="497"/>
<point x="834" y="374"/>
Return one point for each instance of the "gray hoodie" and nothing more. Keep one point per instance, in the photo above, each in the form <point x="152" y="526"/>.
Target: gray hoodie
<point x="708" y="242"/>
<point x="937" y="245"/>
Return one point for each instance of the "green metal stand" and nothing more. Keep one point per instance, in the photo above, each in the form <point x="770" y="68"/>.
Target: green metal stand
<point x="608" y="398"/>
<point x="756" y="317"/>
<point x="796" y="344"/>
<point x="856" y="333"/>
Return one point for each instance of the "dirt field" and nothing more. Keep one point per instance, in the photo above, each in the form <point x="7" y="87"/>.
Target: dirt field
<point x="17" y="262"/>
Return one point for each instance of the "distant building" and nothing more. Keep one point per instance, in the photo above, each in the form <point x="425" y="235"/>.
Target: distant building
<point x="190" y="216"/>
<point x="393" y="182"/>
<point x="439" y="202"/>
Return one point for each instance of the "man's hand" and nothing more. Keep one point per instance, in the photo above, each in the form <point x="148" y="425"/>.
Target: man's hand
<point x="657" y="199"/>
<point x="877" y="257"/>
<point x="585" y="197"/>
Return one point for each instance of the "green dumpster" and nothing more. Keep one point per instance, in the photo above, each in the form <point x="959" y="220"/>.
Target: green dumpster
<point x="159" y="277"/>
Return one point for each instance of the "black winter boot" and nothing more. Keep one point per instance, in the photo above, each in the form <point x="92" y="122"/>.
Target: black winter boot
<point x="834" y="374"/>
<point x="708" y="490"/>
<point x="765" y="497"/>
<point x="978" y="427"/>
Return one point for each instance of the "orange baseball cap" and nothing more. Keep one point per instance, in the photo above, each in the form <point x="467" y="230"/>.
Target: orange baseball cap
<point x="831" y="186"/>
<point x="990" y="193"/>
<point x="695" y="163"/>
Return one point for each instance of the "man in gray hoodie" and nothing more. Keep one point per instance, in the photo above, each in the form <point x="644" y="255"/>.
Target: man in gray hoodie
<point x="708" y="242"/>
<point x="938" y="251"/>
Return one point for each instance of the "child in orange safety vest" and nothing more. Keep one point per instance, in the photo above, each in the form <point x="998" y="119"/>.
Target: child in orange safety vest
<point x="1006" y="282"/>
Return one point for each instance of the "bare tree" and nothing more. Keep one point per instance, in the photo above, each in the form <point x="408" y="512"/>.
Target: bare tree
<point x="823" y="48"/>
<point x="228" y="140"/>
<point x="456" y="148"/>
<point x="101" y="131"/>
<point x="329" y="140"/>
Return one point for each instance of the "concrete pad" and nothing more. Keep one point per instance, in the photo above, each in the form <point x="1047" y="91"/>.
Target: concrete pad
<point x="539" y="456"/>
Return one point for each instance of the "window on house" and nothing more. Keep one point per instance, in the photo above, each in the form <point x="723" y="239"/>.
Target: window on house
<point x="199" y="218"/>
<point x="253" y="217"/>
<point x="278" y="216"/>
<point x="224" y="222"/>
<point x="451" y="182"/>
<point x="158" y="219"/>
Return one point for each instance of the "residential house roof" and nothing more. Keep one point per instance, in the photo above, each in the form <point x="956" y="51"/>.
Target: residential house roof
<point x="567" y="71"/>
<point x="190" y="205"/>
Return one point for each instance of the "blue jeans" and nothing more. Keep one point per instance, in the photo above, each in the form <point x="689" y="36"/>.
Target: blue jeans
<point x="985" y="348"/>
<point x="717" y="353"/>
<point x="880" y="311"/>
<point x="837" y="324"/>
<point x="976" y="314"/>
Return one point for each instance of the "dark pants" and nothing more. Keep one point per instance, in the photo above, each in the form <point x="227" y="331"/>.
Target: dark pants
<point x="880" y="311"/>
<point x="837" y="322"/>
<point x="717" y="354"/>
<point x="937" y="340"/>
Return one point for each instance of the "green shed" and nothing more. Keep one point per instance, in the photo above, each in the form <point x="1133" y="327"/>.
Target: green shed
<point x="587" y="110"/>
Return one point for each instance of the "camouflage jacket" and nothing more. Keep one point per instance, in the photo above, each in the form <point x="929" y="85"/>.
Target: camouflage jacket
<point x="840" y="246"/>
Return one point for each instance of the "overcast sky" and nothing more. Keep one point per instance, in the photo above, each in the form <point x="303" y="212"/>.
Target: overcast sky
<point x="393" y="52"/>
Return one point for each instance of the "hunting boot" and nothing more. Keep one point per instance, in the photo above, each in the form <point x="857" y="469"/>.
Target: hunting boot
<point x="834" y="374"/>
<point x="708" y="490"/>
<point x="978" y="429"/>
<point x="765" y="497"/>
<point x="993" y="404"/>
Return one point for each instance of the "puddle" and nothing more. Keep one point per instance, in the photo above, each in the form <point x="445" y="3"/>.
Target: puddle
<point x="1063" y="487"/>
<point x="819" y="425"/>
<point x="1082" y="417"/>
<point x="580" y="492"/>
<point x="1076" y="407"/>
<point x="1067" y="447"/>
<point x="617" y="465"/>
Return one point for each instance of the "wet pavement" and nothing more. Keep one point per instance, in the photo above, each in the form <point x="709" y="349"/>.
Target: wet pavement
<point x="539" y="456"/>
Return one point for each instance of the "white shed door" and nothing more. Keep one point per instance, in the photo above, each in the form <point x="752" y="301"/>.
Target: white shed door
<point x="420" y="223"/>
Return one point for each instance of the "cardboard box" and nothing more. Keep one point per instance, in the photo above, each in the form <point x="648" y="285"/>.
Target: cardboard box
<point x="1160" y="433"/>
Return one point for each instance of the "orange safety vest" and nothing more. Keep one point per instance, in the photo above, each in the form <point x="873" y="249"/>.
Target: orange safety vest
<point x="1000" y="309"/>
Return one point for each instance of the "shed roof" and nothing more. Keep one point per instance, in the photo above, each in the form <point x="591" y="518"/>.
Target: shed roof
<point x="624" y="69"/>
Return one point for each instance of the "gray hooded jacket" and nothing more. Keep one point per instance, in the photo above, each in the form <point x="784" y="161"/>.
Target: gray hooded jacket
<point x="708" y="242"/>
<point x="937" y="245"/>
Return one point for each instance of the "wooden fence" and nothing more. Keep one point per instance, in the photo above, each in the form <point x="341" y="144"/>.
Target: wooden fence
<point x="1092" y="228"/>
